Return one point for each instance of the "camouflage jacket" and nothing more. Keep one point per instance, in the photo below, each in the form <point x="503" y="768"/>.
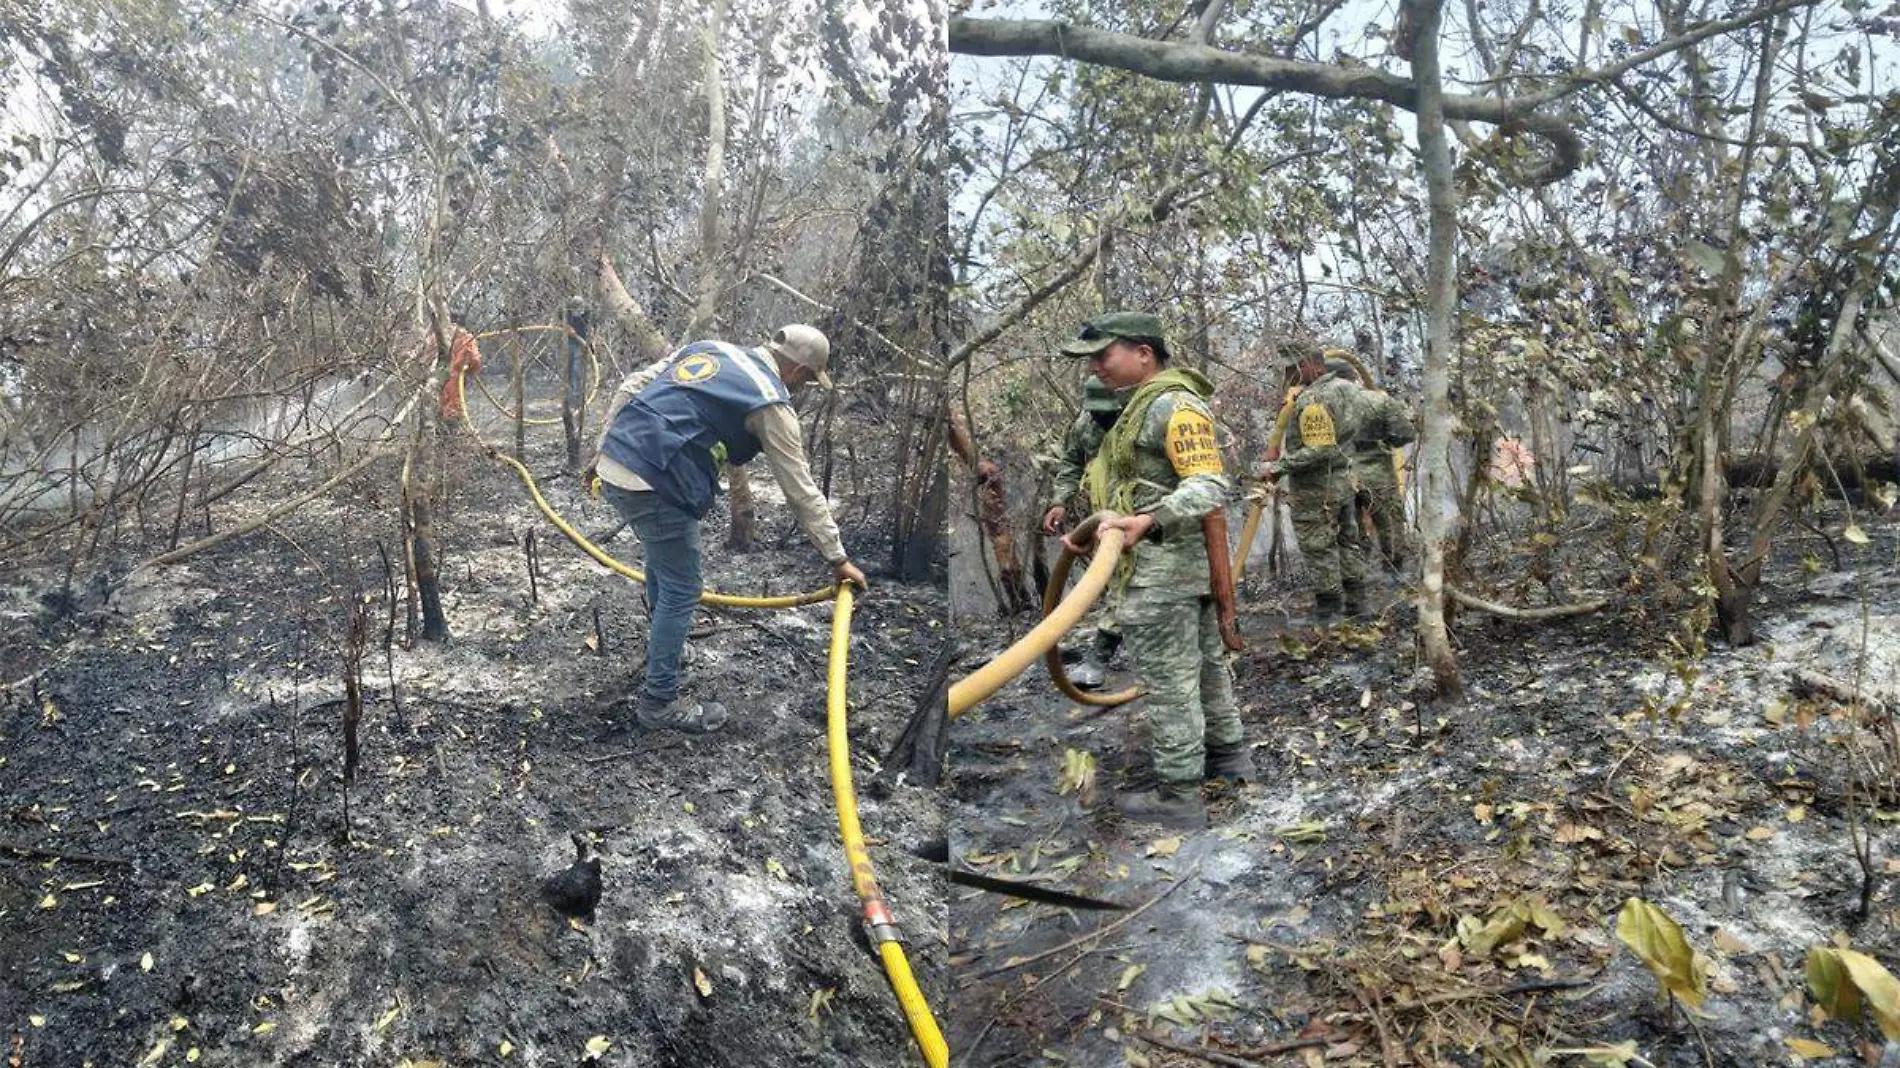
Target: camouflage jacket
<point x="1079" y="443"/>
<point x="1167" y="464"/>
<point x="1329" y="418"/>
<point x="1388" y="427"/>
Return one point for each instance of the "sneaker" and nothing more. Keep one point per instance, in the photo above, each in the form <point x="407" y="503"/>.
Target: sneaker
<point x="1233" y="764"/>
<point x="1171" y="805"/>
<point x="680" y="714"/>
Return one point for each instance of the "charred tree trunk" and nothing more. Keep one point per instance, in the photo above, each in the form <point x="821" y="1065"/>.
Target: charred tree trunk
<point x="573" y="401"/>
<point x="418" y="493"/>
<point x="419" y="533"/>
<point x="992" y="515"/>
<point x="713" y="180"/>
<point x="919" y="752"/>
<point x="921" y="493"/>
<point x="518" y="384"/>
<point x="992" y="519"/>
<point x="743" y="530"/>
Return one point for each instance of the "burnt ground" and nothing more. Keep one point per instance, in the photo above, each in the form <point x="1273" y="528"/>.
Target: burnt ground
<point x="178" y="884"/>
<point x="1411" y="885"/>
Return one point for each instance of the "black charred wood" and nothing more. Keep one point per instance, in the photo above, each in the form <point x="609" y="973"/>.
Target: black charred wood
<point x="575" y="891"/>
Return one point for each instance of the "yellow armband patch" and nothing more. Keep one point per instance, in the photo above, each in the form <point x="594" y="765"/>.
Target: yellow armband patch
<point x="1316" y="427"/>
<point x="1191" y="446"/>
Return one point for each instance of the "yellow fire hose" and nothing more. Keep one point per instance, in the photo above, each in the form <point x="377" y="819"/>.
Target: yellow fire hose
<point x="967" y="692"/>
<point x="727" y="600"/>
<point x="878" y="922"/>
<point x="593" y="360"/>
<point x="1052" y="660"/>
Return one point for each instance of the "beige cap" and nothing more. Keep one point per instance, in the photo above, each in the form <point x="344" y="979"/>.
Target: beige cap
<point x="805" y="346"/>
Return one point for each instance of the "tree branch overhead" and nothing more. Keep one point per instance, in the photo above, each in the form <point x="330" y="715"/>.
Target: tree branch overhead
<point x="1190" y="63"/>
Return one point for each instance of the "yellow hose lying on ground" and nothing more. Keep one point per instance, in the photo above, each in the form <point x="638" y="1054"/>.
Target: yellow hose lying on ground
<point x="1052" y="660"/>
<point x="728" y="600"/>
<point x="970" y="690"/>
<point x="878" y="922"/>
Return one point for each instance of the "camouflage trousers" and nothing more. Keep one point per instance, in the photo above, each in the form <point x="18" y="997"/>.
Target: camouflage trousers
<point x="1326" y="521"/>
<point x="1379" y="495"/>
<point x="1177" y="652"/>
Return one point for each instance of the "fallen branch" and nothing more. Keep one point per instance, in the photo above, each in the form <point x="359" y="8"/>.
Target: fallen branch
<point x="1807" y="682"/>
<point x="1527" y="615"/>
<point x="1217" y="1057"/>
<point x="1534" y="986"/>
<point x="55" y="854"/>
<point x="1014" y="963"/>
<point x="1389" y="1049"/>
<point x="969" y="1052"/>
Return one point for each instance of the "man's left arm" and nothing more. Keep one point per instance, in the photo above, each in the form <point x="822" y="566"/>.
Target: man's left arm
<point x="776" y="427"/>
<point x="1194" y="451"/>
<point x="1396" y="420"/>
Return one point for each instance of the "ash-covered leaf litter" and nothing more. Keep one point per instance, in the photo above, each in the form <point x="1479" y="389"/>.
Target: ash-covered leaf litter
<point x="1449" y="882"/>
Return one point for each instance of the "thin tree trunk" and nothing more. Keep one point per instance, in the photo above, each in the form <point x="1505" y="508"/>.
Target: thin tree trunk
<point x="517" y="375"/>
<point x="1434" y="453"/>
<point x="417" y="494"/>
<point x="713" y="181"/>
<point x="573" y="402"/>
<point x="743" y="530"/>
<point x="992" y="517"/>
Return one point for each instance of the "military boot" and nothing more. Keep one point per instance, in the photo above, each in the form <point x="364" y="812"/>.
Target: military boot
<point x="1092" y="670"/>
<point x="1327" y="605"/>
<point x="1088" y="673"/>
<point x="1353" y="601"/>
<point x="1230" y="764"/>
<point x="1176" y="805"/>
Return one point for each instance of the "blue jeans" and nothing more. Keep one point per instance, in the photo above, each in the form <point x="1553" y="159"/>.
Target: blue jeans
<point x="671" y="540"/>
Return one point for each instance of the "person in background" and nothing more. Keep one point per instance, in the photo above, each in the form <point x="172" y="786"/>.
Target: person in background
<point x="1077" y="468"/>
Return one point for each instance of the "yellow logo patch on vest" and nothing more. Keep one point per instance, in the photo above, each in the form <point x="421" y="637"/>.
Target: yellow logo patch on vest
<point x="696" y="368"/>
<point x="1191" y="446"/>
<point x="1316" y="427"/>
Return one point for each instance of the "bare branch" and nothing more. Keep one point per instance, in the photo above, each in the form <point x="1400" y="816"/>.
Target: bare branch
<point x="1526" y="615"/>
<point x="1179" y="61"/>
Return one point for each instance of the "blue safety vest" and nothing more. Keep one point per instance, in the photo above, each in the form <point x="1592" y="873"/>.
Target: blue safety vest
<point x="666" y="432"/>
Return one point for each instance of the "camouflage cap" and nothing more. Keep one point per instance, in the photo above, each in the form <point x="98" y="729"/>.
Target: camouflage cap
<point x="1098" y="333"/>
<point x="1097" y="397"/>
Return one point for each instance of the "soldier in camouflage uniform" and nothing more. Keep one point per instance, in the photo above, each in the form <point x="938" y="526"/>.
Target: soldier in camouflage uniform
<point x="1100" y="406"/>
<point x="1388" y="427"/>
<point x="1326" y="421"/>
<point x="1164" y="474"/>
